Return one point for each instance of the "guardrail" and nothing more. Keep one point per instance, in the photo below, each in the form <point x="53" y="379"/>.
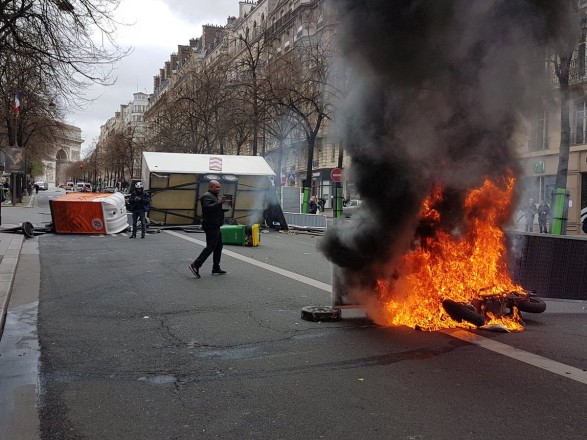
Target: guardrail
<point x="305" y="221"/>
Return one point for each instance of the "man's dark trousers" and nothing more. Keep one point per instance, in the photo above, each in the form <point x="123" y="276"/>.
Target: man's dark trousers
<point x="213" y="245"/>
<point x="138" y="214"/>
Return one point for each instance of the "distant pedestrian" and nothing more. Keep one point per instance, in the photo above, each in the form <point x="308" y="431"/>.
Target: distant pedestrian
<point x="543" y="214"/>
<point x="321" y="203"/>
<point x="530" y="212"/>
<point x="140" y="204"/>
<point x="212" y="220"/>
<point x="36" y="189"/>
<point x="312" y="205"/>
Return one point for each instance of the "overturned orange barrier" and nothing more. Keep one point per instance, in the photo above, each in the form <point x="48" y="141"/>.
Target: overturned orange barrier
<point x="89" y="213"/>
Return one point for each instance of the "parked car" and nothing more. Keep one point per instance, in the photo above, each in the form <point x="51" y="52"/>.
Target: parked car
<point x="42" y="185"/>
<point x="69" y="186"/>
<point x="350" y="207"/>
<point x="83" y="187"/>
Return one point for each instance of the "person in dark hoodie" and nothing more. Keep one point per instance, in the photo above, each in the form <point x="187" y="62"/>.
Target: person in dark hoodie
<point x="312" y="205"/>
<point x="543" y="214"/>
<point x="140" y="204"/>
<point x="212" y="219"/>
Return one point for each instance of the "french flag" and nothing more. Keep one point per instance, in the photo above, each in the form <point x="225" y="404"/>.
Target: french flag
<point x="17" y="102"/>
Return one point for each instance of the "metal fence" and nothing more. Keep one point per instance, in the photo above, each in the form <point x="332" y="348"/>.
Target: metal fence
<point x="553" y="266"/>
<point x="305" y="221"/>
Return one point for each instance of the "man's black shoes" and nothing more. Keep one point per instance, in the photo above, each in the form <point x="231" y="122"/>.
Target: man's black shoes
<point x="195" y="270"/>
<point x="133" y="236"/>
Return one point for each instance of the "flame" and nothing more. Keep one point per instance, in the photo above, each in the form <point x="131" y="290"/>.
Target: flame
<point x="464" y="267"/>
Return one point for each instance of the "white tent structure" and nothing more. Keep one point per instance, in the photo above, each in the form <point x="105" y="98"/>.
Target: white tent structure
<point x="176" y="181"/>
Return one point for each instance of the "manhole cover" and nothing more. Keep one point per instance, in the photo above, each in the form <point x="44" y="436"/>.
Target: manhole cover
<point x="320" y="313"/>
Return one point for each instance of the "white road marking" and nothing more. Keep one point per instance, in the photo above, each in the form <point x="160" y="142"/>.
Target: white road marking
<point x="486" y="343"/>
<point x="277" y="270"/>
<point x="520" y="355"/>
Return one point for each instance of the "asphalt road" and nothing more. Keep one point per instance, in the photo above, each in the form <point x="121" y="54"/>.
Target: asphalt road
<point x="132" y="346"/>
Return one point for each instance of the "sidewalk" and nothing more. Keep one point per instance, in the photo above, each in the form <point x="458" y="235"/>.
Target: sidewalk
<point x="10" y="247"/>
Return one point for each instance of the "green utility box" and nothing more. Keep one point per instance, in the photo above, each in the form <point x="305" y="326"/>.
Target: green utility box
<point x="233" y="234"/>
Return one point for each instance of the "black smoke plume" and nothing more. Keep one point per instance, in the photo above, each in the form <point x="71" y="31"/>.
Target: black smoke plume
<point x="442" y="87"/>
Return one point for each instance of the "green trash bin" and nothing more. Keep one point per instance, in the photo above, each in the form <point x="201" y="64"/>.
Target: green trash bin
<point x="233" y="234"/>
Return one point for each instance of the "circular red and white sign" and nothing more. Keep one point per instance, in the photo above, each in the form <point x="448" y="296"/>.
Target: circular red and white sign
<point x="336" y="175"/>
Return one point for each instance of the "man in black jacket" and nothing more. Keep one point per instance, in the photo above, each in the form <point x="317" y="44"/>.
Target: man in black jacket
<point x="543" y="214"/>
<point x="140" y="204"/>
<point x="212" y="219"/>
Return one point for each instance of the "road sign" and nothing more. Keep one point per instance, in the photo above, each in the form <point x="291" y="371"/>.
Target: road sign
<point x="336" y="175"/>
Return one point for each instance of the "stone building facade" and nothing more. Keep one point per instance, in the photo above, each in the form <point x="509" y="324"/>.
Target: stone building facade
<point x="65" y="151"/>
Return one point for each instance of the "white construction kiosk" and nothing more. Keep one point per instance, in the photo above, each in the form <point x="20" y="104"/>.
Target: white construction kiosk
<point x="176" y="181"/>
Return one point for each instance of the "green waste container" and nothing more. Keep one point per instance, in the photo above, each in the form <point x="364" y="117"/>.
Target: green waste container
<point x="233" y="234"/>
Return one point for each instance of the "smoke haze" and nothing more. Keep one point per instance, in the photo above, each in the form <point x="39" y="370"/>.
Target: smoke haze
<point x="442" y="86"/>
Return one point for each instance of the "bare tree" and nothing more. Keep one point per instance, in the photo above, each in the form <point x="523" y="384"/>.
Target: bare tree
<point x="194" y="117"/>
<point x="565" y="38"/>
<point x="70" y="43"/>
<point x="237" y="127"/>
<point x="279" y="125"/>
<point x="301" y="84"/>
<point x="165" y="126"/>
<point x="203" y="98"/>
<point x="50" y="48"/>
<point x="249" y="75"/>
<point x="119" y="155"/>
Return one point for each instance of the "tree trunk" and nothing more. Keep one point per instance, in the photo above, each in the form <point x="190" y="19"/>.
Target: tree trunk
<point x="308" y="186"/>
<point x="338" y="187"/>
<point x="559" y="218"/>
<point x="278" y="170"/>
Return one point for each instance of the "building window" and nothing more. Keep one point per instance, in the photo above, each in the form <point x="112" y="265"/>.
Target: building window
<point x="539" y="136"/>
<point x="578" y="137"/>
<point x="581" y="56"/>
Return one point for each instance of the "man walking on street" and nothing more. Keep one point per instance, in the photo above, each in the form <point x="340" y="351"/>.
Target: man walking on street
<point x="140" y="203"/>
<point x="212" y="219"/>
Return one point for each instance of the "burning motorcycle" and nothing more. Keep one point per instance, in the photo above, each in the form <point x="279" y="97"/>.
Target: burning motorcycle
<point x="485" y="306"/>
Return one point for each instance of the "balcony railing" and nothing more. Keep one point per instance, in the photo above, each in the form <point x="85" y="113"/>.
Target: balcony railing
<point x="579" y="138"/>
<point x="577" y="73"/>
<point x="275" y="27"/>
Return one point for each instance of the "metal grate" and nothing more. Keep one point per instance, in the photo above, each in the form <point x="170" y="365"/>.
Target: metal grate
<point x="553" y="266"/>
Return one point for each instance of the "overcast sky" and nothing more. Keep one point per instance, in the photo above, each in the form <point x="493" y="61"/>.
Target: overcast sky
<point x="156" y="28"/>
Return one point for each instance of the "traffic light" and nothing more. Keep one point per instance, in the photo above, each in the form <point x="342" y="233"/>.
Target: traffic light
<point x="81" y="166"/>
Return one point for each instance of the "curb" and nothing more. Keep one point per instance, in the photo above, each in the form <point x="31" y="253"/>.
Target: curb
<point x="10" y="246"/>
